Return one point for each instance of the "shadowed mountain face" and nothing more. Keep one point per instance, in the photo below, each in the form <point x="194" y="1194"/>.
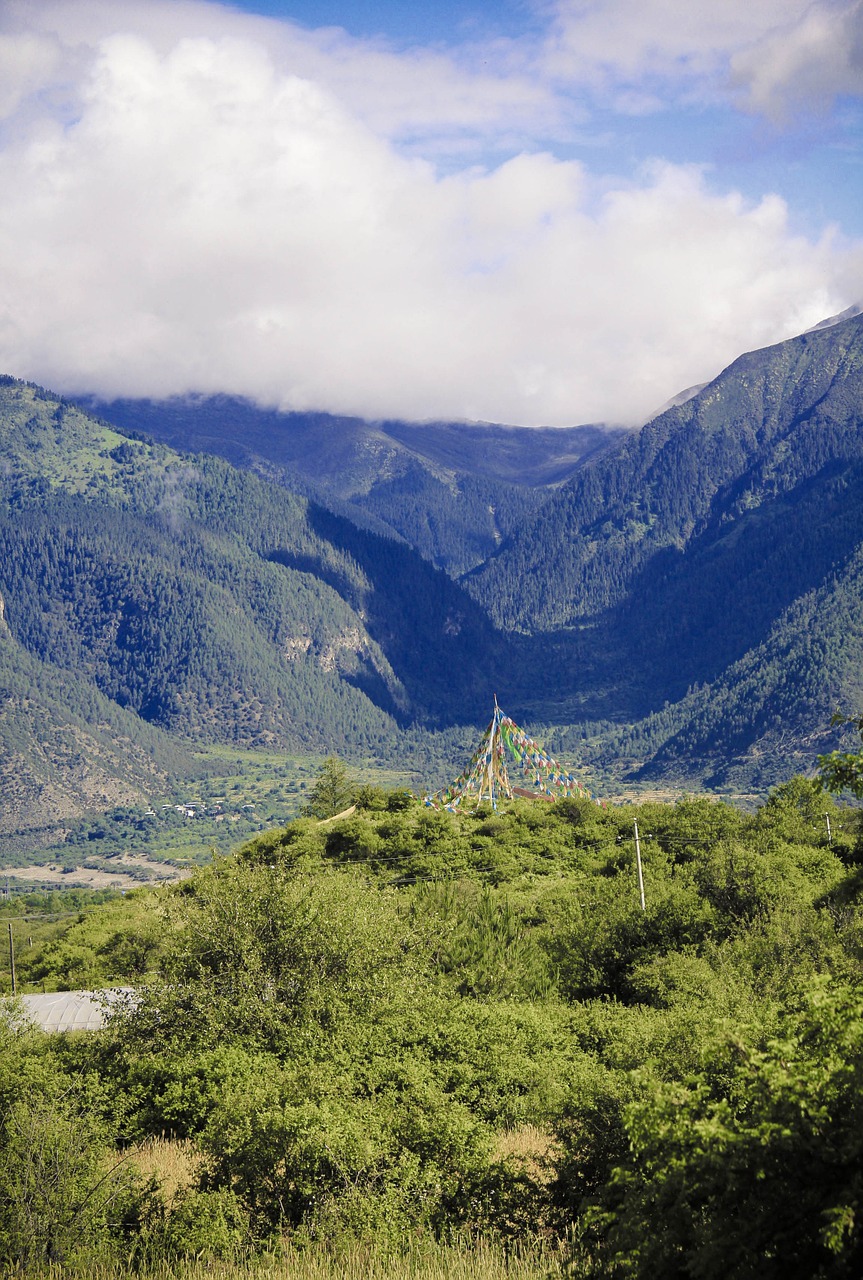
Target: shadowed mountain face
<point x="721" y="537"/>
<point x="524" y="456"/>
<point x="773" y="423"/>
<point x="683" y="602"/>
<point x="199" y="604"/>
<point x="453" y="491"/>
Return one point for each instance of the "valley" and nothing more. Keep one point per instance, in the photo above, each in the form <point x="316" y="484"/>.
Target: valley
<point x="677" y="608"/>
<point x="359" y="1021"/>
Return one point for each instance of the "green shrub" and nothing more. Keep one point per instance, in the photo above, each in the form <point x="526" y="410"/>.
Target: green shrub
<point x="206" y="1224"/>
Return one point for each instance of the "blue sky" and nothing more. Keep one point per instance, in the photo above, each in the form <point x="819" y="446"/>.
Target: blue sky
<point x="445" y="23"/>
<point x="811" y="154"/>
<point x="537" y="211"/>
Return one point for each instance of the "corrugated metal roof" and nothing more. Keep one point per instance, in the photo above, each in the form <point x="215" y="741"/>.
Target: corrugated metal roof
<point x="69" y="1010"/>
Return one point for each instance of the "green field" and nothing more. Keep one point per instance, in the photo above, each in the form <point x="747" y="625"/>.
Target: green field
<point x="235" y="796"/>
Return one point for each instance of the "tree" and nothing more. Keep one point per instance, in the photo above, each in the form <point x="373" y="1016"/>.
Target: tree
<point x="753" y="1167"/>
<point x="64" y="1190"/>
<point x="333" y="792"/>
<point x="843" y="770"/>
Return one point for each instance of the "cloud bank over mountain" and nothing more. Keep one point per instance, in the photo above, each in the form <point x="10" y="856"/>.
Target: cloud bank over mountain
<point x="201" y="199"/>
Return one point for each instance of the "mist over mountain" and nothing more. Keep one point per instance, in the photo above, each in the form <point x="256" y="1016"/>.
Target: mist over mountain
<point x="453" y="491"/>
<point x="684" y="602"/>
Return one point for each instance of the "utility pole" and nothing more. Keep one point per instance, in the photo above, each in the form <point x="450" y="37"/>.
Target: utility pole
<point x="638" y="864"/>
<point x="829" y="832"/>
<point x="12" y="960"/>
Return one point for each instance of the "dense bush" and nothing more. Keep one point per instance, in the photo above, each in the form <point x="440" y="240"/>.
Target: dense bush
<point x="410" y="1024"/>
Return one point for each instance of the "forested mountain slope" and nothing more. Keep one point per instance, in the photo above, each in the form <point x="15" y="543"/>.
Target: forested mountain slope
<point x="689" y="603"/>
<point x="764" y="717"/>
<point x="212" y="604"/>
<point x="67" y="749"/>
<point x="717" y="554"/>
<point x="697" y="485"/>
<point x="453" y="491"/>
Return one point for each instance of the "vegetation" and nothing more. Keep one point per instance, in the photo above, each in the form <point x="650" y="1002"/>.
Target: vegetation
<point x="843" y="770"/>
<point x="152" y="606"/>
<point x="379" y="1040"/>
<point x="405" y="1039"/>
<point x="451" y="494"/>
<point x="710" y="571"/>
<point x="333" y="791"/>
<point x="694" y="592"/>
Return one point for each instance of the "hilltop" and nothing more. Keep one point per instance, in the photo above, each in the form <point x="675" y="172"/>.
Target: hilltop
<point x="462" y="1031"/>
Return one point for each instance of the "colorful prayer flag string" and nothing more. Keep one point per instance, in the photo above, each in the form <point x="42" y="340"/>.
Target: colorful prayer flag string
<point x="486" y="776"/>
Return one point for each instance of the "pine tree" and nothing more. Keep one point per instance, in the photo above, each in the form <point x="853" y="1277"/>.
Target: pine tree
<point x="334" y="790"/>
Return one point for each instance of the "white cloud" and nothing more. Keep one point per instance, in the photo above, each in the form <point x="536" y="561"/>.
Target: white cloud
<point x="778" y="52"/>
<point x="810" y="61"/>
<point x="27" y="61"/>
<point x="442" y="99"/>
<point x="614" y="42"/>
<point x="197" y="212"/>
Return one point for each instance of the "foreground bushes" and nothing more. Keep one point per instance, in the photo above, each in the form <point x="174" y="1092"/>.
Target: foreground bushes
<point x="349" y="1021"/>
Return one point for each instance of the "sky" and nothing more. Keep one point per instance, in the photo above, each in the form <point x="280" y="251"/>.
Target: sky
<point x="538" y="212"/>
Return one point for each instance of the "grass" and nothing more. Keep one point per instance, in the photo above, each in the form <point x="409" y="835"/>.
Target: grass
<point x="531" y="1147"/>
<point x="471" y="1261"/>
<point x="175" y="1164"/>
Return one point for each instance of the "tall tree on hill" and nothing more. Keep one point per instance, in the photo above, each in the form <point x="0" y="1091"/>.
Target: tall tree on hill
<point x="334" y="790"/>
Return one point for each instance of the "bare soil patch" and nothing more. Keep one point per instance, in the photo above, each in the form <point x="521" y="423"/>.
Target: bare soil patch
<point x="97" y="878"/>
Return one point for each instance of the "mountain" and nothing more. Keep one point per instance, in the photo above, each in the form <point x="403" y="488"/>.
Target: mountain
<point x="683" y="603"/>
<point x="715" y="552"/>
<point x="213" y="605"/>
<point x="67" y="749"/>
<point x="767" y="715"/>
<point x="705" y="471"/>
<point x="452" y="491"/>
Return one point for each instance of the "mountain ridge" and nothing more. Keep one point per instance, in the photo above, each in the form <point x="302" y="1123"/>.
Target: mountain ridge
<point x="651" y="494"/>
<point x="450" y="491"/>
<point x="686" y="604"/>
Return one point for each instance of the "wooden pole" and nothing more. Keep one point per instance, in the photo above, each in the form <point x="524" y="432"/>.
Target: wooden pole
<point x="12" y="960"/>
<point x="638" y="864"/>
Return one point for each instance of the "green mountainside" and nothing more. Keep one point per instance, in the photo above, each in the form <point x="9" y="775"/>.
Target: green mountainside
<point x="692" y="485"/>
<point x="716" y="555"/>
<point x="67" y="749"/>
<point x="686" y="607"/>
<point x="453" y="491"/>
<point x="180" y="584"/>
<point x="175" y="600"/>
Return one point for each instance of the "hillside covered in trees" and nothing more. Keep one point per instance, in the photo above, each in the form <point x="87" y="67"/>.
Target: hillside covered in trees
<point x="453" y="491"/>
<point x="684" y="607"/>
<point x="692" y="586"/>
<point x="161" y="602"/>
<point x="715" y="557"/>
<point x="408" y="1029"/>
